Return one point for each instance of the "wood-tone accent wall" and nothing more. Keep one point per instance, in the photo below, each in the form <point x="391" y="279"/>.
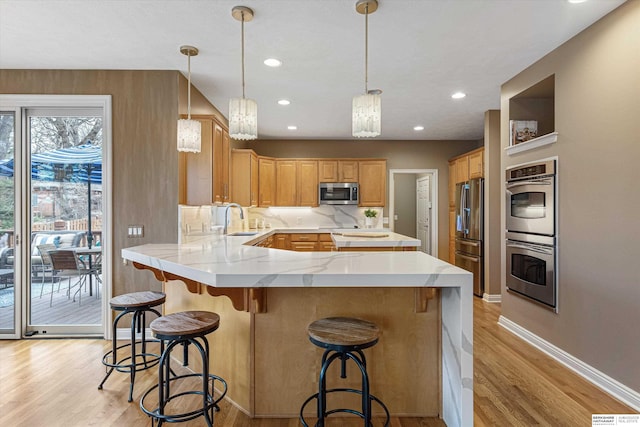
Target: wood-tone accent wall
<point x="145" y="107"/>
<point x="596" y="115"/>
<point x="493" y="196"/>
<point x="399" y="155"/>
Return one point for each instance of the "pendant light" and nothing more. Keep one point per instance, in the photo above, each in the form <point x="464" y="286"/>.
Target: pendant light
<point x="366" y="112"/>
<point x="243" y="112"/>
<point x="189" y="131"/>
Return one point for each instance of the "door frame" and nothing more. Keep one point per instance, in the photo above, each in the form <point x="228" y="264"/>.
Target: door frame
<point x="434" y="201"/>
<point x="19" y="103"/>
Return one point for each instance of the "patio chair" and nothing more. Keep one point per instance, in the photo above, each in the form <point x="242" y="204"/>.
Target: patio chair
<point x="46" y="266"/>
<point x="66" y="265"/>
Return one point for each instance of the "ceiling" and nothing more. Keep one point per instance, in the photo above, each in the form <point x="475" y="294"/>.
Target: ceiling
<point x="420" y="52"/>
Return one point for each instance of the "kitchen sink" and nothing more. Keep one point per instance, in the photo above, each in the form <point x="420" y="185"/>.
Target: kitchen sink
<point x="243" y="233"/>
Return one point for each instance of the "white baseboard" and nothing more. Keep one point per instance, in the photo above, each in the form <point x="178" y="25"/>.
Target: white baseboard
<point x="599" y="379"/>
<point x="125" y="333"/>
<point x="492" y="298"/>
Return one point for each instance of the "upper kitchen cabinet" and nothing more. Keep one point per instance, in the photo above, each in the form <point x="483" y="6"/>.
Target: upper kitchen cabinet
<point x="307" y="178"/>
<point x="465" y="167"/>
<point x="221" y="160"/>
<point x="532" y="117"/>
<point x="286" y="183"/>
<point x="244" y="177"/>
<point x="372" y="176"/>
<point x="296" y="182"/>
<point x="476" y="163"/>
<point x="196" y="174"/>
<point x="336" y="170"/>
<point x="266" y="182"/>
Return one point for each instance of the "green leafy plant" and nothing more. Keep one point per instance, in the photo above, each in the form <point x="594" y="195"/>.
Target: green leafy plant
<point x="370" y="213"/>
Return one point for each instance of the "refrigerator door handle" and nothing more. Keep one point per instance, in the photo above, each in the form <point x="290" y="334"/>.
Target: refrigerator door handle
<point x="473" y="244"/>
<point x="468" y="258"/>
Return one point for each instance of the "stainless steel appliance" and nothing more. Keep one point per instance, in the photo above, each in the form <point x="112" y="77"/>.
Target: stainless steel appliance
<point x="531" y="246"/>
<point x="338" y="193"/>
<point x="531" y="198"/>
<point x="469" y="230"/>
<point x="531" y="271"/>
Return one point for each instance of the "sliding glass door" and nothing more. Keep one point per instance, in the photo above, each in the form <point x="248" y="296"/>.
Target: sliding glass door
<point x="54" y="215"/>
<point x="9" y="313"/>
<point x="65" y="195"/>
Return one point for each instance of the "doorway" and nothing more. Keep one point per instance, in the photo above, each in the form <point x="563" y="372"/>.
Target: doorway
<point x="413" y="207"/>
<point x="53" y="156"/>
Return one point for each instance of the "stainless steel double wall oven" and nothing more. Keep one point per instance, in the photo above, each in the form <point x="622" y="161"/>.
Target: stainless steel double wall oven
<point x="531" y="247"/>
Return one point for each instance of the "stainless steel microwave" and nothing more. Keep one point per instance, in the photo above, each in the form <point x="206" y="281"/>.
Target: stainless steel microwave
<point x="338" y="193"/>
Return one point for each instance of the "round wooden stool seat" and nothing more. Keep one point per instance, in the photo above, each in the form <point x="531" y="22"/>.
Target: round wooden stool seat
<point x="137" y="299"/>
<point x="343" y="332"/>
<point x="185" y="324"/>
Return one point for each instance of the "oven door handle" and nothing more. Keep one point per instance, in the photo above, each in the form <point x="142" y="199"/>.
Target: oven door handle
<point x="521" y="183"/>
<point x="468" y="258"/>
<point x="530" y="248"/>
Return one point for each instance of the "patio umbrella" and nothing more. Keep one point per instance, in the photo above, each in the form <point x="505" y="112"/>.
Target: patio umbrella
<point x="82" y="163"/>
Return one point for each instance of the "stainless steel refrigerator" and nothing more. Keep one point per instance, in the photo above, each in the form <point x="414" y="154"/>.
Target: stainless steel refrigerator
<point x="469" y="230"/>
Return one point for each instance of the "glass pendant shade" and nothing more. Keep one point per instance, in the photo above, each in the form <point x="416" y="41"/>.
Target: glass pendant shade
<point x="243" y="119"/>
<point x="366" y="116"/>
<point x="189" y="138"/>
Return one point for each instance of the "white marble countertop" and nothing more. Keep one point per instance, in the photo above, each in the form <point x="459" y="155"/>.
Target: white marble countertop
<point x="232" y="261"/>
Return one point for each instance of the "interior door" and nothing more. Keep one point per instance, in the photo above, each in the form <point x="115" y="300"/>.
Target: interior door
<point x="423" y="214"/>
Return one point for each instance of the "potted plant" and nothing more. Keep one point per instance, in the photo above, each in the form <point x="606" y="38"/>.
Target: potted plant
<point x="370" y="215"/>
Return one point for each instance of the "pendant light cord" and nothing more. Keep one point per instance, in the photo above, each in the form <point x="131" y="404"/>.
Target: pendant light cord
<point x="242" y="38"/>
<point x="366" y="49"/>
<point x="189" y="86"/>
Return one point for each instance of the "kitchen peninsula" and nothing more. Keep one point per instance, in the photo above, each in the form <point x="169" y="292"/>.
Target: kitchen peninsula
<point x="422" y="366"/>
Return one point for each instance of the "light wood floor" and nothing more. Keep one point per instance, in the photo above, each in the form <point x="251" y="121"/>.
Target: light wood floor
<point x="54" y="383"/>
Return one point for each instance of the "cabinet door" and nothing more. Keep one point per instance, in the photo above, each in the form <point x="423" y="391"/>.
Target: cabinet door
<point x="452" y="234"/>
<point x="307" y="183"/>
<point x="266" y="182"/>
<point x="196" y="171"/>
<point x="254" y="179"/>
<point x="286" y="180"/>
<point x="348" y="171"/>
<point x="452" y="184"/>
<point x="372" y="178"/>
<point x="244" y="177"/>
<point x="476" y="164"/>
<point x="328" y="170"/>
<point x="218" y="184"/>
<point x="462" y="169"/>
<point x="281" y="241"/>
<point x="226" y="158"/>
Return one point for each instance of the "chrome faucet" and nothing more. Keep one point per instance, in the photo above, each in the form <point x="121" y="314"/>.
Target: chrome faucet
<point x="226" y="214"/>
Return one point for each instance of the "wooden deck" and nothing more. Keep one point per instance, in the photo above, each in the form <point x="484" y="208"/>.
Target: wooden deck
<point x="63" y="311"/>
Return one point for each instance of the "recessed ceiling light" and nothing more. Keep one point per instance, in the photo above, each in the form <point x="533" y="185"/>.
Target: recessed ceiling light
<point x="292" y="127"/>
<point x="272" y="62"/>
<point x="418" y="128"/>
<point x="577" y="1"/>
<point x="458" y="95"/>
<point x="284" y="102"/>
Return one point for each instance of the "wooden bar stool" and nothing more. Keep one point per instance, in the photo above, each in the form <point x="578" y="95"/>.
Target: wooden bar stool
<point x="186" y="328"/>
<point x="343" y="338"/>
<point x="138" y="304"/>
